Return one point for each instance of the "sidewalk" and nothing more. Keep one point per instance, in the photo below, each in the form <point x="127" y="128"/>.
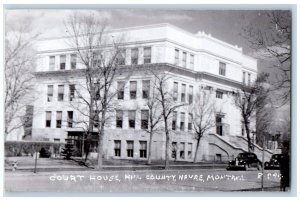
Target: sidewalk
<point x="49" y="165"/>
<point x="266" y="189"/>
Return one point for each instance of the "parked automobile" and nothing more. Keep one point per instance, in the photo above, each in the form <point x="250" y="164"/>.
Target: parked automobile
<point x="244" y="161"/>
<point x="275" y="161"/>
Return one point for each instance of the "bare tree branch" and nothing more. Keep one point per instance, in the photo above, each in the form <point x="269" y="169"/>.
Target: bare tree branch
<point x="250" y="99"/>
<point x="98" y="52"/>
<point x="19" y="67"/>
<point x="168" y="105"/>
<point x="203" y="113"/>
<point x="273" y="42"/>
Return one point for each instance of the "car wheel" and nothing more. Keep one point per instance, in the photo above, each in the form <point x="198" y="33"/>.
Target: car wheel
<point x="267" y="164"/>
<point x="258" y="166"/>
<point x="246" y="167"/>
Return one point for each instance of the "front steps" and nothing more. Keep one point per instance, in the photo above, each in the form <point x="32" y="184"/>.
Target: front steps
<point x="231" y="146"/>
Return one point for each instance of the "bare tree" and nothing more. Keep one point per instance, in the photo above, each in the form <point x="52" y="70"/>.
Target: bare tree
<point x="264" y="119"/>
<point x="19" y="67"/>
<point x="203" y="112"/>
<point x="98" y="51"/>
<point x="285" y="138"/>
<point x="155" y="116"/>
<point x="272" y="41"/>
<point x="168" y="105"/>
<point x="248" y="99"/>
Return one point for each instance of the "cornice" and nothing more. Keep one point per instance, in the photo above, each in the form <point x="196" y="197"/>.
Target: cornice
<point x="144" y="67"/>
<point x="198" y="50"/>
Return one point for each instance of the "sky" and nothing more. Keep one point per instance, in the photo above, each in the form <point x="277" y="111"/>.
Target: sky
<point x="226" y="25"/>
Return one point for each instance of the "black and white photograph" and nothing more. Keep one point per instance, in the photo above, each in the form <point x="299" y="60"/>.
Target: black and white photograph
<point x="148" y="100"/>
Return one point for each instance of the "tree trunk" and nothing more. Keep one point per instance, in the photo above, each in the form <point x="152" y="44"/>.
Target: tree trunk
<point x="82" y="147"/>
<point x="100" y="150"/>
<point x="197" y="147"/>
<point x="167" y="151"/>
<point x="87" y="147"/>
<point x="150" y="146"/>
<point x="167" y="144"/>
<point x="90" y="129"/>
<point x="100" y="141"/>
<point x="248" y="137"/>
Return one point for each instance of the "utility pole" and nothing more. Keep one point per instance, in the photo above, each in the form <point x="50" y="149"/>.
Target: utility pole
<point x="253" y="140"/>
<point x="263" y="164"/>
<point x="36" y="155"/>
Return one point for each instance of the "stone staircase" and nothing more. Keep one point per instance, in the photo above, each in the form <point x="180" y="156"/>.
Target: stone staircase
<point x="237" y="144"/>
<point x="241" y="141"/>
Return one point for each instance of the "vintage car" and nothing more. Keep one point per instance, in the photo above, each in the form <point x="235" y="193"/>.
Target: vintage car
<point x="275" y="161"/>
<point x="244" y="161"/>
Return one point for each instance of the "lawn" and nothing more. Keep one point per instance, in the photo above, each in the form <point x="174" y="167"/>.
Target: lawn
<point x="29" y="161"/>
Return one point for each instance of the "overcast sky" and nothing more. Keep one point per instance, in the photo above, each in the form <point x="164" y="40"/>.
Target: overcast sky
<point x="226" y="25"/>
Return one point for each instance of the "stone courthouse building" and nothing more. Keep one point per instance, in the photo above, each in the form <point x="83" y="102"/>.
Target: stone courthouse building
<point x="198" y="60"/>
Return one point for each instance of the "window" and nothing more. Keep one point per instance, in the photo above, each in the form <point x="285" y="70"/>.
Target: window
<point x="184" y="59"/>
<point x="146" y="88"/>
<point x="97" y="91"/>
<point x="218" y="157"/>
<point x="119" y="118"/>
<point x="147" y="55"/>
<point x="120" y="89"/>
<point x="51" y="62"/>
<point x="60" y="96"/>
<point x="244" y="77"/>
<point x="219" y="94"/>
<point x="73" y="61"/>
<point x="191" y="89"/>
<point x="50" y="93"/>
<point x="181" y="150"/>
<point x="219" y="127"/>
<point x="48" y="119"/>
<point x="120" y="59"/>
<point x="130" y="149"/>
<point x="134" y="55"/>
<point x="62" y="64"/>
<point x="249" y="79"/>
<point x="174" y="121"/>
<point x="143" y="149"/>
<point x="182" y="118"/>
<point x="133" y="89"/>
<point x="117" y="148"/>
<point x="175" y="91"/>
<point x="174" y="150"/>
<point x="96" y="118"/>
<point x="192" y="61"/>
<point x="70" y="119"/>
<point x="190" y="121"/>
<point x="56" y="140"/>
<point x="131" y="118"/>
<point x="58" y="119"/>
<point x="144" y="119"/>
<point x="183" y="91"/>
<point x="97" y="59"/>
<point x="190" y="148"/>
<point x="176" y="57"/>
<point x="222" y="68"/>
<point x="71" y="92"/>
